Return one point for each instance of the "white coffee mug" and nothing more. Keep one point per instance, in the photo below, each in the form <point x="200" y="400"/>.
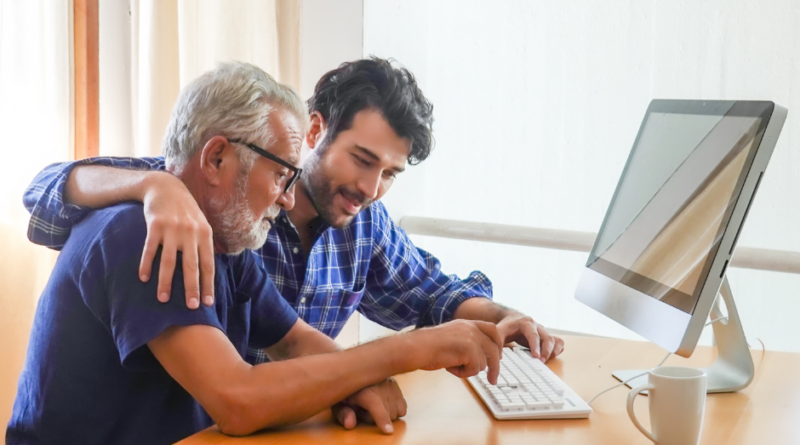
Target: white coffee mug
<point x="677" y="403"/>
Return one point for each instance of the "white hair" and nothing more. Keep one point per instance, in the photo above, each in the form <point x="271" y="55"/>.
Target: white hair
<point x="234" y="100"/>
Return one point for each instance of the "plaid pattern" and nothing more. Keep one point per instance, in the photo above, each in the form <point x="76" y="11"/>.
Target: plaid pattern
<point x="51" y="218"/>
<point x="370" y="266"/>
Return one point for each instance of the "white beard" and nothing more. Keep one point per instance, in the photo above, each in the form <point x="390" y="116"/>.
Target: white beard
<point x="236" y="225"/>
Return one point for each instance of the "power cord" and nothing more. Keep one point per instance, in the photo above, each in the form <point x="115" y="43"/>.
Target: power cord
<point x="626" y="381"/>
<point x="656" y="366"/>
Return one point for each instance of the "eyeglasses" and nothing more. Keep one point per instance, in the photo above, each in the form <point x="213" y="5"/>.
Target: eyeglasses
<point x="295" y="171"/>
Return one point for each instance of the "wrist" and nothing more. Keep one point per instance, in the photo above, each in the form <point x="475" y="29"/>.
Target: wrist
<point x="151" y="183"/>
<point x="480" y="308"/>
<point x="419" y="347"/>
<point x="410" y="350"/>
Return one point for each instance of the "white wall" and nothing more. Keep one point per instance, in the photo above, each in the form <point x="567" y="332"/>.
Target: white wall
<point x="330" y="34"/>
<point x="537" y="105"/>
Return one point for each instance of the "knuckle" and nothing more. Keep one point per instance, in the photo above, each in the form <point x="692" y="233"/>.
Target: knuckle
<point x="204" y="230"/>
<point x="187" y="225"/>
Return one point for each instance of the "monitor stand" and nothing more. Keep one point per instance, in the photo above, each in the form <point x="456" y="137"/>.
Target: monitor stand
<point x="733" y="369"/>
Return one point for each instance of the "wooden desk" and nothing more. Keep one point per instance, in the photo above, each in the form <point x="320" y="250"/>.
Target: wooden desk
<point x="444" y="410"/>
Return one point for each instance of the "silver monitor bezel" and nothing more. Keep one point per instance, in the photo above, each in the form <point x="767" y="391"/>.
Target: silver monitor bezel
<point x="665" y="325"/>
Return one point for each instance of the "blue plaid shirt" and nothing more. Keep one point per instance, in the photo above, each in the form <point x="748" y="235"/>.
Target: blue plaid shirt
<point x="370" y="266"/>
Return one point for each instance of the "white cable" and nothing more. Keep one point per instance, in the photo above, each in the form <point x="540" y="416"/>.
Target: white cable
<point x="626" y="381"/>
<point x="645" y="372"/>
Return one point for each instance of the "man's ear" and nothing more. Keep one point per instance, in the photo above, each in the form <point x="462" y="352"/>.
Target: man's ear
<point x="216" y="159"/>
<point x="316" y="130"/>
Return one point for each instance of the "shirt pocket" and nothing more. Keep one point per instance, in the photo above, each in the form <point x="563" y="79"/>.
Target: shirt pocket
<point x="352" y="299"/>
<point x="338" y="306"/>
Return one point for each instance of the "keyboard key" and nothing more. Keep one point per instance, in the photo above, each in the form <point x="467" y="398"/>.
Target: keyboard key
<point x="526" y="388"/>
<point x="538" y="404"/>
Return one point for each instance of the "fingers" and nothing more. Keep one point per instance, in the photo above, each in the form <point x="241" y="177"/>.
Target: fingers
<point x="371" y="402"/>
<point x="490" y="330"/>
<point x="547" y="344"/>
<point x="345" y="415"/>
<point x="477" y="362"/>
<point x="175" y="221"/>
<point x="378" y="404"/>
<point x="558" y="348"/>
<point x="399" y="399"/>
<point x="393" y="398"/>
<point x="492" y="360"/>
<point x="146" y="265"/>
<point x="191" y="277"/>
<point x="206" y="251"/>
<point x="167" y="268"/>
<point x="530" y="330"/>
<point x="491" y="348"/>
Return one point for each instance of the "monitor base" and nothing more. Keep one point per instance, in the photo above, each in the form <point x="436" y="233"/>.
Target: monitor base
<point x="733" y="368"/>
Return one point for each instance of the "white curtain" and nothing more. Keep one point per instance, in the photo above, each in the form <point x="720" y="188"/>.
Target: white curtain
<point x="174" y="41"/>
<point x="36" y="124"/>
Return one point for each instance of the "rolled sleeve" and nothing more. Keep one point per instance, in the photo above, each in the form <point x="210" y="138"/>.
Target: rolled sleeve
<point x="52" y="218"/>
<point x="406" y="286"/>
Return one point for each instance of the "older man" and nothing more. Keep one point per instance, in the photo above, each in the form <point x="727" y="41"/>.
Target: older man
<point x="337" y="251"/>
<point x="107" y="363"/>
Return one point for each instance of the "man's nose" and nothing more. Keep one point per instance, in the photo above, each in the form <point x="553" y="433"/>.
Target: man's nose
<point x="286" y="199"/>
<point x="368" y="185"/>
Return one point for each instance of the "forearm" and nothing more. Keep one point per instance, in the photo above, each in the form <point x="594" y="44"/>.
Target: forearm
<point x="290" y="391"/>
<point x="478" y="308"/>
<point x="308" y="341"/>
<point x="96" y="186"/>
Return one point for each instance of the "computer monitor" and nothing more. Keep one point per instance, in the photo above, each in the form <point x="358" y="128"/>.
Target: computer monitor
<point x="669" y="233"/>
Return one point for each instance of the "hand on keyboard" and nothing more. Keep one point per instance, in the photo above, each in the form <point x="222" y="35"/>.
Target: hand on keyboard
<point x="463" y="347"/>
<point x="525" y="331"/>
<point x="527" y="389"/>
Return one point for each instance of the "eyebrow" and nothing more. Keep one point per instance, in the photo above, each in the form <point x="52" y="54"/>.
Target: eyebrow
<point x="375" y="158"/>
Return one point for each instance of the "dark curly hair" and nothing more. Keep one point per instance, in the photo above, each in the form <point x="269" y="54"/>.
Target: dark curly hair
<point x="375" y="84"/>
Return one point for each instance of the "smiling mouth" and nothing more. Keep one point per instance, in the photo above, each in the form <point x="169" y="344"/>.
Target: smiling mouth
<point x="351" y="207"/>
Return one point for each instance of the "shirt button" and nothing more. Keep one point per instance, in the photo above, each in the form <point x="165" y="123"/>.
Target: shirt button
<point x="295" y="250"/>
<point x="285" y="220"/>
<point x="303" y="300"/>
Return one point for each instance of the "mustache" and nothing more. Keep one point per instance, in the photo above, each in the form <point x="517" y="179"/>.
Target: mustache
<point x="355" y="196"/>
<point x="272" y="213"/>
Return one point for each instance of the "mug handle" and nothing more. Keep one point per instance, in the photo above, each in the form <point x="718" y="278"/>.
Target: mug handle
<point x="632" y="395"/>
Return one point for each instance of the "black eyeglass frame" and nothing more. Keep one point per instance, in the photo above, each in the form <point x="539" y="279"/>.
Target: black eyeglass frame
<point x="295" y="171"/>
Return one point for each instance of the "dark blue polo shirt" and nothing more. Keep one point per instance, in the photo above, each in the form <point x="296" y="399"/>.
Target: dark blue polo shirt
<point x="89" y="377"/>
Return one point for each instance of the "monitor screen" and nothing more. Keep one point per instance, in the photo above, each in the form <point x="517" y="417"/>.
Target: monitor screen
<point x="674" y="200"/>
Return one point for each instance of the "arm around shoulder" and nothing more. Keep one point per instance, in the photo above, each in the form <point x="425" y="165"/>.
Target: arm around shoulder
<point x="48" y="196"/>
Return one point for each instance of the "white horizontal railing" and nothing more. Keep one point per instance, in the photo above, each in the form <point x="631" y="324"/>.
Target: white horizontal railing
<point x="744" y="257"/>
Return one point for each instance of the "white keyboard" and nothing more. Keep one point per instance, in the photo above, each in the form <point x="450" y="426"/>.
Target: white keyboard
<point x="527" y="389"/>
